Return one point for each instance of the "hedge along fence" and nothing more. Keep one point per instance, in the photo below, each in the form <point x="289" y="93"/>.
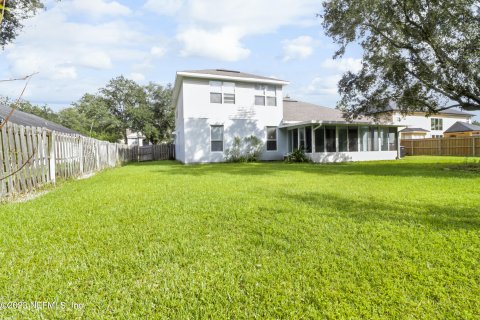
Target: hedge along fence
<point x="31" y="157"/>
<point x="464" y="146"/>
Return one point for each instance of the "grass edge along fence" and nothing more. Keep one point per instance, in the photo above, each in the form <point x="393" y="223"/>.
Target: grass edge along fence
<point x="31" y="157"/>
<point x="461" y="146"/>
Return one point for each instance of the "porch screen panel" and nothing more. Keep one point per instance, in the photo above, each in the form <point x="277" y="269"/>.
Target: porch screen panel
<point x="320" y="139"/>
<point x="392" y="139"/>
<point x="330" y="133"/>
<point x="364" y="137"/>
<point x="384" y="139"/>
<point x="301" y="133"/>
<point x="342" y="139"/>
<point x="373" y="141"/>
<point x="308" y="139"/>
<point x="295" y="139"/>
<point x="352" y="139"/>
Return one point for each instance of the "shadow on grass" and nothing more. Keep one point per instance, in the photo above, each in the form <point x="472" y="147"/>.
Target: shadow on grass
<point x="399" y="168"/>
<point x="399" y="212"/>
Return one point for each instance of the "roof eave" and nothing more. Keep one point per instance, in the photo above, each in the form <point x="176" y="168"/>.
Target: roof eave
<point x="289" y="124"/>
<point x="221" y="77"/>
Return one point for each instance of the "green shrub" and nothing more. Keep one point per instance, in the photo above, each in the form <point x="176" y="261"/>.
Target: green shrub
<point x="297" y="155"/>
<point x="247" y="149"/>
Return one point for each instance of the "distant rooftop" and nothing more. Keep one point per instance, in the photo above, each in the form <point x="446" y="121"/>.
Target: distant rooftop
<point x="27" y="119"/>
<point x="414" y="130"/>
<point x="462" y="127"/>
<point x="452" y="111"/>
<point x="230" y="73"/>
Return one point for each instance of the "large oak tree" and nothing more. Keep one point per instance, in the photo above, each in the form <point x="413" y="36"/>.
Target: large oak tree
<point x="423" y="55"/>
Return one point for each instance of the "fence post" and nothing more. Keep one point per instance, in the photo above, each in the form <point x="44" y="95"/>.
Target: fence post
<point x="439" y="147"/>
<point x="51" y="159"/>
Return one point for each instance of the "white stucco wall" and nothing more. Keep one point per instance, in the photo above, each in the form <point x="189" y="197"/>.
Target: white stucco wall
<point x="241" y="119"/>
<point x="420" y="121"/>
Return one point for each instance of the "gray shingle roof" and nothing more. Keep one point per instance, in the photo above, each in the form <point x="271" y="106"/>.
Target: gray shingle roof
<point x="462" y="127"/>
<point x="27" y="119"/>
<point x="414" y="130"/>
<point x="294" y="110"/>
<point x="230" y="73"/>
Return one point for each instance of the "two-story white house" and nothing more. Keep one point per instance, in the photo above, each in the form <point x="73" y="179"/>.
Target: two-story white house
<point x="417" y="125"/>
<point x="215" y="106"/>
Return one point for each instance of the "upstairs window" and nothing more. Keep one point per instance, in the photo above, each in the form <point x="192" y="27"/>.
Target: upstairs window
<point x="222" y="92"/>
<point x="437" y="124"/>
<point x="265" y="95"/>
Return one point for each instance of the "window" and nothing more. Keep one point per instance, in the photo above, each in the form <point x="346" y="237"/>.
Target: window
<point x="437" y="136"/>
<point x="265" y="95"/>
<point x="271" y="101"/>
<point x="216" y="137"/>
<point x="330" y="138"/>
<point x="437" y="124"/>
<point x="271" y="138"/>
<point x="259" y="100"/>
<point x="320" y="140"/>
<point x="229" y="92"/>
<point x="352" y="139"/>
<point x="219" y="89"/>
<point x="228" y="98"/>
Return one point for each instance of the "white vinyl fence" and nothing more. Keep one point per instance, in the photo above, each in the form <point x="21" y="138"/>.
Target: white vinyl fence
<point x="31" y="157"/>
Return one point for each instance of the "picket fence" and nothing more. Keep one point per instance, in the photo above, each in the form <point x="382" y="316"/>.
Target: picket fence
<point x="31" y="157"/>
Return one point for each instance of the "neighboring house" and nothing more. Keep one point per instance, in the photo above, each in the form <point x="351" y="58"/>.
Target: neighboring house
<point x="215" y="106"/>
<point x="31" y="120"/>
<point x="462" y="129"/>
<point x="136" y="139"/>
<point x="419" y="126"/>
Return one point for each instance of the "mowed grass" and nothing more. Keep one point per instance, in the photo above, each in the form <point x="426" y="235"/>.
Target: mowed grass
<point x="398" y="239"/>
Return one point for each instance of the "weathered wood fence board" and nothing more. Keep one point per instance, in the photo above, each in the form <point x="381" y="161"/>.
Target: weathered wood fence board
<point x="31" y="157"/>
<point x="464" y="146"/>
<point x="164" y="151"/>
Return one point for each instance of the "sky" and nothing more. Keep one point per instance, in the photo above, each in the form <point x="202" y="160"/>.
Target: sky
<point x="77" y="46"/>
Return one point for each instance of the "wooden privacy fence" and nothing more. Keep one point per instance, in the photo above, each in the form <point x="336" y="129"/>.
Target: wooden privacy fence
<point x="31" y="157"/>
<point x="464" y="146"/>
<point x="165" y="151"/>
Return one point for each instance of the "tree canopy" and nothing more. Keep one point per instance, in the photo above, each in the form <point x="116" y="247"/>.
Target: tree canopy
<point x="119" y="106"/>
<point x="14" y="13"/>
<point x="422" y="55"/>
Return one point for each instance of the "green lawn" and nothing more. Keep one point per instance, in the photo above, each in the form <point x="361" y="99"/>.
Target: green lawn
<point x="397" y="239"/>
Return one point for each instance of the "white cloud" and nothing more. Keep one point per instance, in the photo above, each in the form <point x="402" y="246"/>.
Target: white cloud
<point x="298" y="48"/>
<point x="157" y="52"/>
<point x="343" y="64"/>
<point x="323" y="86"/>
<point x="99" y="8"/>
<point x="72" y="55"/>
<point x="164" y="7"/>
<point x="204" y="22"/>
<point x="223" y="45"/>
<point x="136" y="76"/>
